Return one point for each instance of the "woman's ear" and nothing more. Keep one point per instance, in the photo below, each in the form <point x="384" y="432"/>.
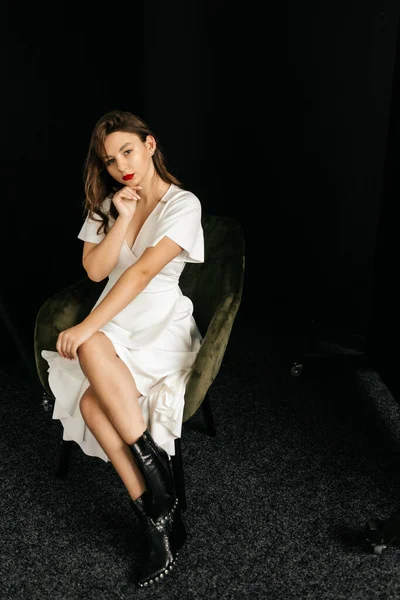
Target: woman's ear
<point x="151" y="144"/>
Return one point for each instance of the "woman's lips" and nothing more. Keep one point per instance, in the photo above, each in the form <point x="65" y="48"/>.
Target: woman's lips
<point x="127" y="177"/>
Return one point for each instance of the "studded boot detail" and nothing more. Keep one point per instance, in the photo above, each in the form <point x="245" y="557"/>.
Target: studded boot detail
<point x="162" y="539"/>
<point x="158" y="510"/>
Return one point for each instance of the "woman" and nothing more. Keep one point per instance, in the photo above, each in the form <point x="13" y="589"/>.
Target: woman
<point x="119" y="376"/>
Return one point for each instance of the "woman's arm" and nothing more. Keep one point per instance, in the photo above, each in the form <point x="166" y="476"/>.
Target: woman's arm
<point x="99" y="261"/>
<point x="132" y="282"/>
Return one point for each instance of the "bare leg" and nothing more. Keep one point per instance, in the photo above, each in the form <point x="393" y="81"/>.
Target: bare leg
<point x="112" y="443"/>
<point x="113" y="386"/>
<point x="110" y="408"/>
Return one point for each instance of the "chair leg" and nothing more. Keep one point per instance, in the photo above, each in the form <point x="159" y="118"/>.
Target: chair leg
<point x="208" y="416"/>
<point x="179" y="476"/>
<point x="64" y="460"/>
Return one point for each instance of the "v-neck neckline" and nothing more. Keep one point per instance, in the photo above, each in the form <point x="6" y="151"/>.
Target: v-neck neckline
<point x="162" y="199"/>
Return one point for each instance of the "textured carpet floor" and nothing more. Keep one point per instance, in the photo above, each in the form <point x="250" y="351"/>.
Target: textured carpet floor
<point x="276" y="502"/>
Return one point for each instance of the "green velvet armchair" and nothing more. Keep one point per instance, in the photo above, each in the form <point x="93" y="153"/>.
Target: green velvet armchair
<point x="215" y="288"/>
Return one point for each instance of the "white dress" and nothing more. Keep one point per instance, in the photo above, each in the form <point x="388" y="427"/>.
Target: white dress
<point x="155" y="335"/>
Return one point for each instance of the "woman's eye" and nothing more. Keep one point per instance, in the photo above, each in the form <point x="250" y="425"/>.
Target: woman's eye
<point x="111" y="160"/>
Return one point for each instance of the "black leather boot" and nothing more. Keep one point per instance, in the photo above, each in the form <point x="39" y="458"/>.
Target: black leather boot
<point x="158" y="509"/>
<point x="155" y="466"/>
<point x="161" y="541"/>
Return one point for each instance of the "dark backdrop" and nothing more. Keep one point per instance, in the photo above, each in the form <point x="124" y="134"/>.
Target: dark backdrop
<point x="384" y="325"/>
<point x="278" y="117"/>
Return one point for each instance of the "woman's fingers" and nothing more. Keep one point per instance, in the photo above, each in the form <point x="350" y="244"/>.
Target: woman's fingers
<point x="125" y="200"/>
<point x="130" y="194"/>
<point x="64" y="347"/>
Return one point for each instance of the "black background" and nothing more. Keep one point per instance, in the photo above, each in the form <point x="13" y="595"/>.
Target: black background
<point x="284" y="117"/>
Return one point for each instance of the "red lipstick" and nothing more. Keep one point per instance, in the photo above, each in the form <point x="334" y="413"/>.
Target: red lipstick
<point x="128" y="177"/>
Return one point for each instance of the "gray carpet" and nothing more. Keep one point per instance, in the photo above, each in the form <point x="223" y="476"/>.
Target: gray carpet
<point x="276" y="502"/>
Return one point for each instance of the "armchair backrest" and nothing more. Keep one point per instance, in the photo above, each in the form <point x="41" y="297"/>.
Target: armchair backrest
<point x="221" y="275"/>
<point x="215" y="288"/>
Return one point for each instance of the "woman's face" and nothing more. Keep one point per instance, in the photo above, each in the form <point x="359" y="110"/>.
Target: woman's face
<point x="127" y="158"/>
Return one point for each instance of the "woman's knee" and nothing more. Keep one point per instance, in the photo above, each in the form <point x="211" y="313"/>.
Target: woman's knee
<point x="96" y="344"/>
<point x="87" y="348"/>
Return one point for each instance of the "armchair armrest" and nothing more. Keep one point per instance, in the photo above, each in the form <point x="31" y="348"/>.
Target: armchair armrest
<point x="65" y="309"/>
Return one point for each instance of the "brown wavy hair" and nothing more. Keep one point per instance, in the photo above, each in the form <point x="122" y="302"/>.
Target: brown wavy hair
<point x="98" y="183"/>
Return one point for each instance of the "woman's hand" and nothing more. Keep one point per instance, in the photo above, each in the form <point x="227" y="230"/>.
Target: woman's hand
<point x="125" y="200"/>
<point x="70" y="339"/>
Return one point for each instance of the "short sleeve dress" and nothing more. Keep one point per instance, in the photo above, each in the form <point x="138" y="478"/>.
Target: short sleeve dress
<point x="155" y="335"/>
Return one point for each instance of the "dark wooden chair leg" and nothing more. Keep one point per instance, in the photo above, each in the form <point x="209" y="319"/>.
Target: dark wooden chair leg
<point x="208" y="416"/>
<point x="179" y="476"/>
<point x="64" y="460"/>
